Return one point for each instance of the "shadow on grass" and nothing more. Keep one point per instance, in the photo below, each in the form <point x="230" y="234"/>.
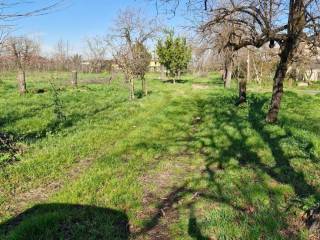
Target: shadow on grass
<point x="54" y="125"/>
<point x="215" y="80"/>
<point x="177" y="81"/>
<point x="259" y="189"/>
<point x="66" y="221"/>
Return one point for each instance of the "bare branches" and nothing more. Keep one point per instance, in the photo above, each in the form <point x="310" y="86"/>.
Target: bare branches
<point x="22" y="49"/>
<point x="97" y="50"/>
<point x="127" y="43"/>
<point x="131" y="26"/>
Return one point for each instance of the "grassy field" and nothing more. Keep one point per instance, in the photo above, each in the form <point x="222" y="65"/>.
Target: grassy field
<point x="181" y="163"/>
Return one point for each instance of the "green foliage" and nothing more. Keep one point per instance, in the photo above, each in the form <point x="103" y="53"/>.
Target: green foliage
<point x="174" y="53"/>
<point x="57" y="105"/>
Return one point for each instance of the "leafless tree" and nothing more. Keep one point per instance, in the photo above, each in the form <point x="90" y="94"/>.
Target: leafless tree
<point x="215" y="38"/>
<point x="127" y="43"/>
<point x="205" y="57"/>
<point x="22" y="50"/>
<point x="76" y="61"/>
<point x="61" y="55"/>
<point x="97" y="50"/>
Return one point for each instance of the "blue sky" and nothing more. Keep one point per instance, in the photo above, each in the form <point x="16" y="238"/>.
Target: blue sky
<point x="82" y="19"/>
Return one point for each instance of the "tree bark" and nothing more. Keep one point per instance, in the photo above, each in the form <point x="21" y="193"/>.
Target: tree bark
<point x="242" y="92"/>
<point x="162" y="72"/>
<point x="296" y="24"/>
<point x="22" y="82"/>
<point x="144" y="86"/>
<point x="131" y="97"/>
<point x="248" y="66"/>
<point x="227" y="73"/>
<point x="74" y="79"/>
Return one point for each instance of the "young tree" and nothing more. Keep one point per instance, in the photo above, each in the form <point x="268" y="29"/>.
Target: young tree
<point x="97" y="51"/>
<point x="127" y="44"/>
<point x="218" y="37"/>
<point x="61" y="55"/>
<point x="175" y="54"/>
<point x="141" y="63"/>
<point x="22" y="50"/>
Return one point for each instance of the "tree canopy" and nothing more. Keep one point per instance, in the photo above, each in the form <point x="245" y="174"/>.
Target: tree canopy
<point x="174" y="53"/>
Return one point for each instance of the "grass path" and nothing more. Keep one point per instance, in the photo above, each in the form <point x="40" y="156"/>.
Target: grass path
<point x="182" y="163"/>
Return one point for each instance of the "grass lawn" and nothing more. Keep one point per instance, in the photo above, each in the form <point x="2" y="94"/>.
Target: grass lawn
<point x="181" y="163"/>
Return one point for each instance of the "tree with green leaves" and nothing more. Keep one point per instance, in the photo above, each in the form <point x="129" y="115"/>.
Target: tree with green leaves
<point x="174" y="54"/>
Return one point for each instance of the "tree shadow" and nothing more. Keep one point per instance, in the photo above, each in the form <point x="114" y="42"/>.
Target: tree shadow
<point x="66" y="221"/>
<point x="53" y="126"/>
<point x="282" y="171"/>
<point x="216" y="119"/>
<point x="176" y="81"/>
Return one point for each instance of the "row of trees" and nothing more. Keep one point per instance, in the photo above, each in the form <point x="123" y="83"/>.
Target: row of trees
<point x="127" y="43"/>
<point x="61" y="58"/>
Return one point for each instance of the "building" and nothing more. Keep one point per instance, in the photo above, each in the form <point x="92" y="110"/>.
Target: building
<point x="313" y="72"/>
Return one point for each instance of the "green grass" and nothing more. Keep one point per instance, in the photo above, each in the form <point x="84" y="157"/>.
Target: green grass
<point x="181" y="163"/>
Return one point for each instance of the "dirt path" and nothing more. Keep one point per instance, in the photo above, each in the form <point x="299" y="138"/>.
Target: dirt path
<point x="164" y="192"/>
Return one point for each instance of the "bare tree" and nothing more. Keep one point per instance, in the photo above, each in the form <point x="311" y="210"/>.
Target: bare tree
<point x="215" y="38"/>
<point x="97" y="50"/>
<point x="76" y="61"/>
<point x="127" y="43"/>
<point x="61" y="55"/>
<point x="22" y="50"/>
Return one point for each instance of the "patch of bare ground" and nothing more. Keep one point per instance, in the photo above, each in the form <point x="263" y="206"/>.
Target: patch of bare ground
<point x="164" y="191"/>
<point x="21" y="200"/>
<point x="163" y="194"/>
<point x="200" y="86"/>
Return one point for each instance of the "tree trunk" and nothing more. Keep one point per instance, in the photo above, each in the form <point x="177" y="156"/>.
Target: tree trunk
<point x="277" y="91"/>
<point x="227" y="73"/>
<point x="22" y="82"/>
<point x="242" y="91"/>
<point x="296" y="24"/>
<point x="131" y="97"/>
<point x="162" y="72"/>
<point x="74" y="79"/>
<point x="248" y="67"/>
<point x="144" y="86"/>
